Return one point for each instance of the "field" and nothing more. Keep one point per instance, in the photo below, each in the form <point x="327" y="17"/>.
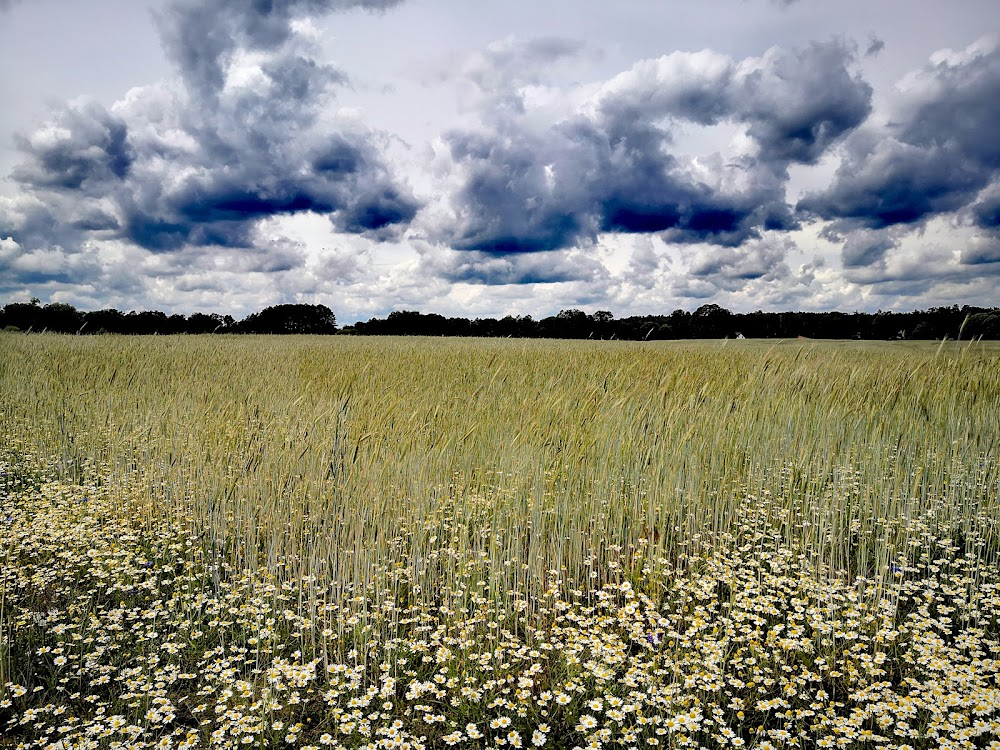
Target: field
<point x="415" y="543"/>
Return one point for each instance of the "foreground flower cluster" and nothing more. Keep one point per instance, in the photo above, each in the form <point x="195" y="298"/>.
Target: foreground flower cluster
<point x="121" y="630"/>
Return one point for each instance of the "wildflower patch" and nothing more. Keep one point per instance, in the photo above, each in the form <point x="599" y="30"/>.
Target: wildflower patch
<point x="120" y="629"/>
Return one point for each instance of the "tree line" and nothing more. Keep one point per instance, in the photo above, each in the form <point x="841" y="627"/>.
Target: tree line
<point x="708" y="321"/>
<point x="60" y="317"/>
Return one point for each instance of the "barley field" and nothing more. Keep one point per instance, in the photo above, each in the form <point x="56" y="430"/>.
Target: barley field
<point x="309" y="542"/>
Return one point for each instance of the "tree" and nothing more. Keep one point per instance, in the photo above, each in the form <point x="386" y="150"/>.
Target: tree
<point x="25" y="316"/>
<point x="202" y="323"/>
<point x="983" y="325"/>
<point x="104" y="321"/>
<point x="61" y="318"/>
<point x="712" y="321"/>
<point x="146" y="322"/>
<point x="312" y="319"/>
<point x="568" y="324"/>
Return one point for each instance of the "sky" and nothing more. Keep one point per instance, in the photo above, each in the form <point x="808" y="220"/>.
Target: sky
<point x="500" y="158"/>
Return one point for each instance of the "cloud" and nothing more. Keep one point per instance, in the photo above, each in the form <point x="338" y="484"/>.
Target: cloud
<point x="83" y="147"/>
<point x="800" y="103"/>
<point x="202" y="37"/>
<point x="221" y="186"/>
<point x="875" y="46"/>
<point x="935" y="156"/>
<point x="866" y="248"/>
<point x="982" y="250"/>
<point x="501" y="73"/>
<point x="529" y="186"/>
<point x="955" y="102"/>
<point x="896" y="183"/>
<point x="534" y="268"/>
<point x="758" y="263"/>
<point x="932" y="266"/>
<point x="984" y="246"/>
<point x="247" y="133"/>
<point x="9" y="249"/>
<point x="520" y="191"/>
<point x="692" y="86"/>
<point x="986" y="211"/>
<point x="796" y="103"/>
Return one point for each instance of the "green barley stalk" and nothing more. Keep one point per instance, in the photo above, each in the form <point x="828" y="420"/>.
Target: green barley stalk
<point x="323" y="451"/>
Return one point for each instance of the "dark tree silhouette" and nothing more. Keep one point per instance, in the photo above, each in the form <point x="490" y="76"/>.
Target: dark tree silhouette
<point x="708" y="321"/>
<point x="290" y="319"/>
<point x="104" y="321"/>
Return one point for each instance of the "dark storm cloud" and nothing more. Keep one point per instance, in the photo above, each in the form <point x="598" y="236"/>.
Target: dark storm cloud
<point x="800" y="103"/>
<point x="59" y="222"/>
<point x="984" y="247"/>
<point x="265" y="153"/>
<point x="511" y="199"/>
<point x="796" y="103"/>
<point x="935" y="158"/>
<point x="375" y="211"/>
<point x="201" y="37"/>
<point x="958" y="106"/>
<point x="866" y="248"/>
<point x="982" y="251"/>
<point x="342" y="176"/>
<point x="987" y="211"/>
<point x="897" y="183"/>
<point x="203" y="163"/>
<point x="530" y="188"/>
<point x="83" y="147"/>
